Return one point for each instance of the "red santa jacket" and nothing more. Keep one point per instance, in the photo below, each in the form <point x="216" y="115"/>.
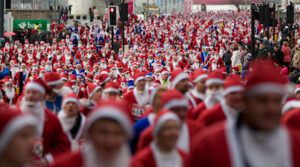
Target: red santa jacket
<point x="195" y="114"/>
<point x="292" y="119"/>
<point x="136" y="110"/>
<point x="211" y="116"/>
<point x="145" y="158"/>
<point x="55" y="142"/>
<point x="73" y="159"/>
<point x="146" y="136"/>
<point x="213" y="142"/>
<point x="8" y="100"/>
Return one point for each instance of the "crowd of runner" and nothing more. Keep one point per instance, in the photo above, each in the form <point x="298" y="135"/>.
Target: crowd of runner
<point x="183" y="91"/>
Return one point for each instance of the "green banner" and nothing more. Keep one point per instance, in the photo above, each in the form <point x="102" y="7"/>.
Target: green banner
<point x="31" y="24"/>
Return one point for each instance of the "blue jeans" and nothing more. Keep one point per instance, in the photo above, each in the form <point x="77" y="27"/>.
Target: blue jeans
<point x="228" y="68"/>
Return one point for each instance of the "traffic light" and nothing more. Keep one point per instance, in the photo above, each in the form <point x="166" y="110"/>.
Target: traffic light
<point x="112" y="15"/>
<point x="290" y="14"/>
<point x="124" y="11"/>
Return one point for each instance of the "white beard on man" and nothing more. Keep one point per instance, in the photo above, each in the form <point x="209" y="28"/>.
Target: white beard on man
<point x="37" y="110"/>
<point x="212" y="97"/>
<point x="10" y="94"/>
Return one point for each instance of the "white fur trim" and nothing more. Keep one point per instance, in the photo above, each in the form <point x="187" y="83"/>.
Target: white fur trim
<point x="214" y="81"/>
<point x="164" y="72"/>
<point x="92" y="93"/>
<point x="107" y="90"/>
<point x="296" y="90"/>
<point x="55" y="82"/>
<point x="70" y="100"/>
<point x="267" y="88"/>
<point x="179" y="77"/>
<point x="112" y="113"/>
<point x="201" y="77"/>
<point x="138" y="79"/>
<point x="49" y="158"/>
<point x="233" y="144"/>
<point x="164" y="118"/>
<point x="35" y="86"/>
<point x="177" y="103"/>
<point x="290" y="105"/>
<point x="233" y="89"/>
<point x="13" y="127"/>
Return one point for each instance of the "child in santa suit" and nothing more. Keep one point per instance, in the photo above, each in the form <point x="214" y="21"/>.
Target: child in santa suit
<point x="163" y="151"/>
<point x="107" y="132"/>
<point x="18" y="133"/>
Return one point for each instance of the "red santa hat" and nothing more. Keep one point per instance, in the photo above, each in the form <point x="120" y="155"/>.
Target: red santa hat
<point x="91" y="89"/>
<point x="70" y="98"/>
<point x="215" y="77"/>
<point x="232" y="84"/>
<point x="52" y="78"/>
<point x="177" y="76"/>
<point x="111" y="109"/>
<point x="111" y="87"/>
<point x="104" y="78"/>
<point x="265" y="78"/>
<point x="290" y="103"/>
<point x="173" y="98"/>
<point x="73" y="78"/>
<point x="162" y="117"/>
<point x="11" y="122"/>
<point x="199" y="75"/>
<point x="138" y="76"/>
<point x="64" y="77"/>
<point x="37" y="84"/>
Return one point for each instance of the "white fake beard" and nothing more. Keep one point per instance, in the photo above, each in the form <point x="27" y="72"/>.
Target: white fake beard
<point x="48" y="68"/>
<point x="213" y="97"/>
<point x="10" y="93"/>
<point x="214" y="66"/>
<point x="103" y="66"/>
<point x="34" y="108"/>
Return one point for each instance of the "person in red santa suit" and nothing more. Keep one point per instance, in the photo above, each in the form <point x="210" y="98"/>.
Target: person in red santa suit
<point x="94" y="95"/>
<point x="139" y="97"/>
<point x="163" y="151"/>
<point x="174" y="101"/>
<point x="18" y="134"/>
<point x="213" y="93"/>
<point x="257" y="138"/>
<point x="9" y="92"/>
<point x="107" y="132"/>
<point x="54" y="140"/>
<point x="198" y="92"/>
<point x="229" y="108"/>
<point x="72" y="120"/>
<point x="111" y="91"/>
<point x="290" y="119"/>
<point x="181" y="81"/>
<point x="163" y="77"/>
